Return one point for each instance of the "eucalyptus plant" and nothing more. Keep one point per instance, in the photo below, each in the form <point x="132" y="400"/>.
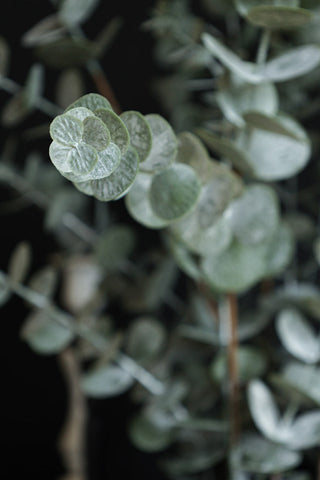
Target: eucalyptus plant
<point x="230" y="386"/>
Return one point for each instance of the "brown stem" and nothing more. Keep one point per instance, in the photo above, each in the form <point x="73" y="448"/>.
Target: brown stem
<point x="72" y="439"/>
<point x="103" y="86"/>
<point x="233" y="368"/>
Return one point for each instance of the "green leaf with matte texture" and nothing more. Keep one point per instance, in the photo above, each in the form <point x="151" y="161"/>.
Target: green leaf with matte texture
<point x="254" y="216"/>
<point x="95" y="133"/>
<point x="280" y="250"/>
<point x="45" y="334"/>
<point x="293" y="63"/>
<point x="192" y="151"/>
<point x="270" y="124"/>
<point x="66" y="52"/>
<point x="80" y="113"/>
<point x="263" y="409"/>
<point x="274" y="156"/>
<point x="278" y="17"/>
<point x="146" y="337"/>
<point x="257" y="455"/>
<point x="236" y="100"/>
<point x="82" y="159"/>
<point x="297" y="335"/>
<point x="151" y="431"/>
<point x="66" y="130"/>
<point x="243" y="6"/>
<point x="34" y="85"/>
<point x="44" y="281"/>
<point x="174" y="191"/>
<point x="138" y="203"/>
<point x="183" y="258"/>
<point x="237" y="268"/>
<point x="105" y="381"/>
<point x="118" y="131"/>
<point x="92" y="101"/>
<point x="58" y="154"/>
<point x="84" y="187"/>
<point x="108" y="160"/>
<point x="120" y="180"/>
<point x="139" y="132"/>
<point x="301" y="379"/>
<point x="305" y="431"/>
<point x="164" y="144"/>
<point x="227" y="149"/>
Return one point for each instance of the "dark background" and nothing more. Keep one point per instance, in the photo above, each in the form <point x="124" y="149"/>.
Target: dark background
<point x="33" y="392"/>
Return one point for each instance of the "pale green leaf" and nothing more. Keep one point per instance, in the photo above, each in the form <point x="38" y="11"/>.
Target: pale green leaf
<point x="138" y="203"/>
<point x="280" y="250"/>
<point x="84" y="187"/>
<point x="278" y="17"/>
<point x="95" y="133"/>
<point x="44" y="334"/>
<point x="139" y="132"/>
<point x="92" y="101"/>
<point x="82" y="159"/>
<point x="254" y="216"/>
<point x="293" y="63"/>
<point x="151" y="431"/>
<point x="74" y="12"/>
<point x="118" y="131"/>
<point x="34" y="85"/>
<point x="174" y="191"/>
<point x="257" y="455"/>
<point x="192" y="151"/>
<point x="80" y="113"/>
<point x="66" y="130"/>
<point x="164" y="144"/>
<point x="146" y="337"/>
<point x="44" y="281"/>
<point x="305" y="431"/>
<point x="120" y="180"/>
<point x="243" y="6"/>
<point x="59" y="156"/>
<point x="237" y="268"/>
<point x="19" y="262"/>
<point x="236" y="100"/>
<point x="108" y="161"/>
<point x="183" y="258"/>
<point x="263" y="410"/>
<point x="105" y="381"/>
<point x="270" y="124"/>
<point x="303" y="379"/>
<point x="297" y="335"/>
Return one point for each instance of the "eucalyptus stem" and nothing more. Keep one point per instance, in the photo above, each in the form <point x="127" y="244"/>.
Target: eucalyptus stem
<point x="233" y="368"/>
<point x="263" y="47"/>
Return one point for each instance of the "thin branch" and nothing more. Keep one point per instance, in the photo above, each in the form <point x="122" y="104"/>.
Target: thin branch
<point x="72" y="439"/>
<point x="233" y="368"/>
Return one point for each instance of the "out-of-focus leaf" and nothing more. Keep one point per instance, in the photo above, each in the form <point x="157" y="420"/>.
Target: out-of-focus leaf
<point x="164" y="144"/>
<point x="138" y="203"/>
<point x="70" y="87"/>
<point x="146" y="338"/>
<point x="45" y="334"/>
<point x="278" y="17"/>
<point x="297" y="335"/>
<point x="114" y="246"/>
<point x="174" y="191"/>
<point x="151" y="431"/>
<point x="302" y="379"/>
<point x="251" y="363"/>
<point x="105" y="381"/>
<point x="243" y="6"/>
<point x="257" y="455"/>
<point x="66" y="53"/>
<point x="4" y="290"/>
<point x="44" y="281"/>
<point x="74" y="12"/>
<point x="19" y="262"/>
<point x="139" y="132"/>
<point x="192" y="151"/>
<point x="34" y="85"/>
<point x="49" y="29"/>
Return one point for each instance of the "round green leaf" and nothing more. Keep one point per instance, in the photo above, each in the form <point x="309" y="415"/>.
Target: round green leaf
<point x="192" y="151"/>
<point x="66" y="130"/>
<point x="150" y="431"/>
<point x="105" y="381"/>
<point x="146" y="338"/>
<point x="95" y="133"/>
<point x="280" y="249"/>
<point x="59" y="156"/>
<point x="118" y="131"/>
<point x="264" y="410"/>
<point x="84" y="187"/>
<point x="237" y="268"/>
<point x="138" y="202"/>
<point x="82" y="158"/>
<point x="44" y="334"/>
<point x="108" y="161"/>
<point x="254" y="216"/>
<point x="80" y="113"/>
<point x="278" y="17"/>
<point x="139" y="132"/>
<point x="164" y="144"/>
<point x="275" y="156"/>
<point x="174" y="191"/>
<point x="92" y="101"/>
<point x="120" y="180"/>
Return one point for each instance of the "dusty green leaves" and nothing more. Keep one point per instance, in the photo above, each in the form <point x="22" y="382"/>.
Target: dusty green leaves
<point x="278" y="17"/>
<point x="105" y="381"/>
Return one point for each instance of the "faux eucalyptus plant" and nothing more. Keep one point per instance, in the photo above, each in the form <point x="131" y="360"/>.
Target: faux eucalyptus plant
<point x="199" y="298"/>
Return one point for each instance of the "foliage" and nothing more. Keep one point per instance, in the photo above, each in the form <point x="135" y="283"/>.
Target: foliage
<point x="228" y="176"/>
